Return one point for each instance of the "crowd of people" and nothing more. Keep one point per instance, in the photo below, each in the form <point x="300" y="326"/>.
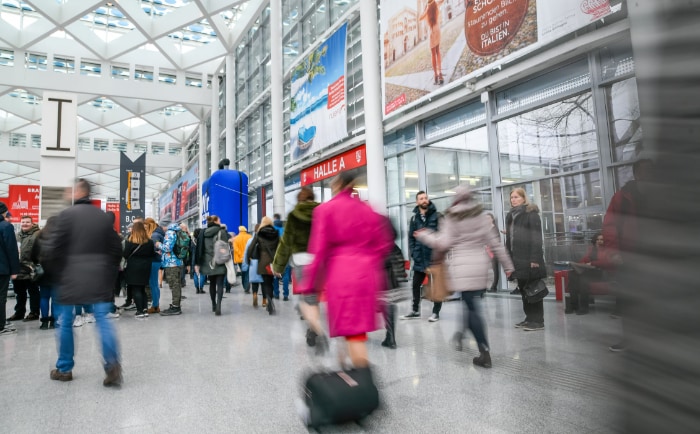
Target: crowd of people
<point x="317" y="248"/>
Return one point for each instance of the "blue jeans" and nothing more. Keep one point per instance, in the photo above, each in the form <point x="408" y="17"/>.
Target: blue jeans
<point x="472" y="317"/>
<point x="153" y="283"/>
<point x="46" y="292"/>
<point x="66" y="345"/>
<point x="286" y="277"/>
<point x="79" y="309"/>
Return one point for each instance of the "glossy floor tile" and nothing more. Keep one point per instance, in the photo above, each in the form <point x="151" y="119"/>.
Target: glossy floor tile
<point x="242" y="372"/>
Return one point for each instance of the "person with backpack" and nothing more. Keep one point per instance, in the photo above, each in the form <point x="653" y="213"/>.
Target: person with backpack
<point x="212" y="253"/>
<point x="263" y="249"/>
<point x="171" y="264"/>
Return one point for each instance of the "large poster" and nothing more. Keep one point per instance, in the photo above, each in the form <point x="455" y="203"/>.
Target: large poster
<point x="180" y="200"/>
<point x="24" y="201"/>
<point x="132" y="189"/>
<point x="318" y="103"/>
<point x="429" y="44"/>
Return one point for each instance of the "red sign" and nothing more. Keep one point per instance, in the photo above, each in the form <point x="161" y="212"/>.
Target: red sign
<point x="396" y="103"/>
<point x="347" y="160"/>
<point x="336" y="92"/>
<point x="114" y="207"/>
<point x="490" y="25"/>
<point x="24" y="201"/>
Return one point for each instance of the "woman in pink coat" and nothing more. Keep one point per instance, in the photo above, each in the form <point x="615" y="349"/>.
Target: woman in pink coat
<point x="350" y="243"/>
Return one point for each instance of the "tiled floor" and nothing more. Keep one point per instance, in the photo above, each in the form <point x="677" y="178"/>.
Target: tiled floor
<point x="241" y="372"/>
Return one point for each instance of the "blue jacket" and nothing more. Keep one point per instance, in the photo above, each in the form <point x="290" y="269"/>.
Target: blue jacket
<point x="420" y="253"/>
<point x="168" y="258"/>
<point x="158" y="236"/>
<point x="9" y="254"/>
<point x="279" y="226"/>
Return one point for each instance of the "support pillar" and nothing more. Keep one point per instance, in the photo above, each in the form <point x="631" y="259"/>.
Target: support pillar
<point x="276" y="106"/>
<point x="214" y="135"/>
<point x="231" y="109"/>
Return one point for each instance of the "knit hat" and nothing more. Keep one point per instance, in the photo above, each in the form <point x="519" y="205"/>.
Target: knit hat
<point x="462" y="194"/>
<point x="242" y="229"/>
<point x="3" y="208"/>
<point x="165" y="222"/>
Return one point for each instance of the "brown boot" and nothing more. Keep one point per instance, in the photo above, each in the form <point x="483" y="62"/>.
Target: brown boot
<point x="255" y="299"/>
<point x="154" y="309"/>
<point x="114" y="377"/>
<point x="264" y="303"/>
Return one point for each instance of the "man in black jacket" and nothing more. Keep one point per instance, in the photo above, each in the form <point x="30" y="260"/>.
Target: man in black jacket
<point x="84" y="253"/>
<point x="9" y="264"/>
<point x="425" y="215"/>
<point x="23" y="282"/>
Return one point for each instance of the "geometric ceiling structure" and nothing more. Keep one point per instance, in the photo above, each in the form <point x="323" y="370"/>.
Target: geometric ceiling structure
<point x="140" y="70"/>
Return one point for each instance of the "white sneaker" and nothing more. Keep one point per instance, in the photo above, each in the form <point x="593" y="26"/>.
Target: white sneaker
<point x="113" y="315"/>
<point x="89" y="318"/>
<point x="434" y="318"/>
<point x="78" y="321"/>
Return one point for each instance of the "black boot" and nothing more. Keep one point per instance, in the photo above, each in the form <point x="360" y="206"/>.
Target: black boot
<point x="484" y="359"/>
<point x="569" y="306"/>
<point x="52" y="322"/>
<point x="217" y="310"/>
<point x="583" y="300"/>
<point x="270" y="306"/>
<point x="390" y="339"/>
<point x="44" y="324"/>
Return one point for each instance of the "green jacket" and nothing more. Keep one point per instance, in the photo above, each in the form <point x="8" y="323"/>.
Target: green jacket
<point x="296" y="234"/>
<point x="26" y="240"/>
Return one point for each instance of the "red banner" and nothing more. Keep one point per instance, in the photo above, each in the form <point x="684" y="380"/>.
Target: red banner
<point x="24" y="201"/>
<point x="114" y="207"/>
<point x="347" y="160"/>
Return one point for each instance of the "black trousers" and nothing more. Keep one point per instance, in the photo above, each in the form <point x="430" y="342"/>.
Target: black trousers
<point x="267" y="285"/>
<point x="579" y="287"/>
<point x="22" y="287"/>
<point x="139" y="294"/>
<point x="418" y="277"/>
<point x="496" y="274"/>
<point x="216" y="288"/>
<point x="534" y="312"/>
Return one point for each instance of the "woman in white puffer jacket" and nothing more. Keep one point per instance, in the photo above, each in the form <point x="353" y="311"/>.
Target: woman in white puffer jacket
<point x="466" y="231"/>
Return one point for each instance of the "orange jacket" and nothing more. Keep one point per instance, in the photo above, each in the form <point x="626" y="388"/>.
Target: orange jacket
<point x="239" y="242"/>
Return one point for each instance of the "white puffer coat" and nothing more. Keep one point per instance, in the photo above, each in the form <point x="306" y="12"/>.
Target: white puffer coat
<point x="467" y="231"/>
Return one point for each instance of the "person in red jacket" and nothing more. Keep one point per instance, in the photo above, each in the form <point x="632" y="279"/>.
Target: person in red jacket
<point x="590" y="269"/>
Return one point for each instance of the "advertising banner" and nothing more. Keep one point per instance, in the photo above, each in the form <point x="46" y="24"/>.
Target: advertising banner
<point x="132" y="189"/>
<point x="318" y="104"/>
<point x="24" y="200"/>
<point x="180" y="200"/>
<point x="347" y="160"/>
<point x="114" y="207"/>
<point x="429" y="44"/>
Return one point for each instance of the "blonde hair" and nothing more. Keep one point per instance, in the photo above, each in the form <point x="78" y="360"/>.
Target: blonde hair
<point x="266" y="221"/>
<point x="139" y="234"/>
<point x="150" y="226"/>
<point x="520" y="192"/>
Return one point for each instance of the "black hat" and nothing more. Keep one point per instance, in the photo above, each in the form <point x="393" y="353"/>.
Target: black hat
<point x="3" y="208"/>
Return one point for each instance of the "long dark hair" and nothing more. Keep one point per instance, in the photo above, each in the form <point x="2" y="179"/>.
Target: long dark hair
<point x="432" y="12"/>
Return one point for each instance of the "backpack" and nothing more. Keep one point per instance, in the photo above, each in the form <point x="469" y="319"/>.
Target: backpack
<point x="181" y="249"/>
<point x="222" y="251"/>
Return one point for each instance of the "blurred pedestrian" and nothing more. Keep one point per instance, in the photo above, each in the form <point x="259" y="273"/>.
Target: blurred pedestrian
<point x="84" y="241"/>
<point x="263" y="249"/>
<point x="205" y="256"/>
<point x="467" y="231"/>
<point x="9" y="265"/>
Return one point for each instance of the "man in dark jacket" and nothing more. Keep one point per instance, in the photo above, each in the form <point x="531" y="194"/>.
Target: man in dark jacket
<point x="9" y="264"/>
<point x="84" y="253"/>
<point x="425" y="215"/>
<point x="23" y="283"/>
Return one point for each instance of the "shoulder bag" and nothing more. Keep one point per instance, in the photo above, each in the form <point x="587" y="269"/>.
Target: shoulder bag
<point x="437" y="289"/>
<point x="535" y="290"/>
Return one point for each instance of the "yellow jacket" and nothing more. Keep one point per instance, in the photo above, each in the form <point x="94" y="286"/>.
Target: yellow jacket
<point x="239" y="242"/>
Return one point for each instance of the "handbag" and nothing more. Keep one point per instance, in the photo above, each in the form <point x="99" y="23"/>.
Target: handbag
<point x="437" y="288"/>
<point x="230" y="272"/>
<point x="535" y="291"/>
<point x="298" y="262"/>
<point x="37" y="272"/>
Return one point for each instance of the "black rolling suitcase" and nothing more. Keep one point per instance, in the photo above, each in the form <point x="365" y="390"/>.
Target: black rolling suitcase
<point x="338" y="397"/>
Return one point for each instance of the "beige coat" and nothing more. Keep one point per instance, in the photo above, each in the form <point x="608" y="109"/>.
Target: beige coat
<point x="466" y="231"/>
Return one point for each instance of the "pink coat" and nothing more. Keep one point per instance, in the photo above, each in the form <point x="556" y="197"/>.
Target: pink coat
<point x="350" y="243"/>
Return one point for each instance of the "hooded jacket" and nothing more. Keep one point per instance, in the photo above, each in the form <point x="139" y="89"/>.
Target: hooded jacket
<point x="420" y="253"/>
<point x="9" y="254"/>
<point x="466" y="231"/>
<point x="239" y="243"/>
<point x="205" y="250"/>
<point x="26" y="240"/>
<point x="296" y="234"/>
<point x="167" y="257"/>
<point x="524" y="241"/>
<point x="83" y="251"/>
<point x="263" y="247"/>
